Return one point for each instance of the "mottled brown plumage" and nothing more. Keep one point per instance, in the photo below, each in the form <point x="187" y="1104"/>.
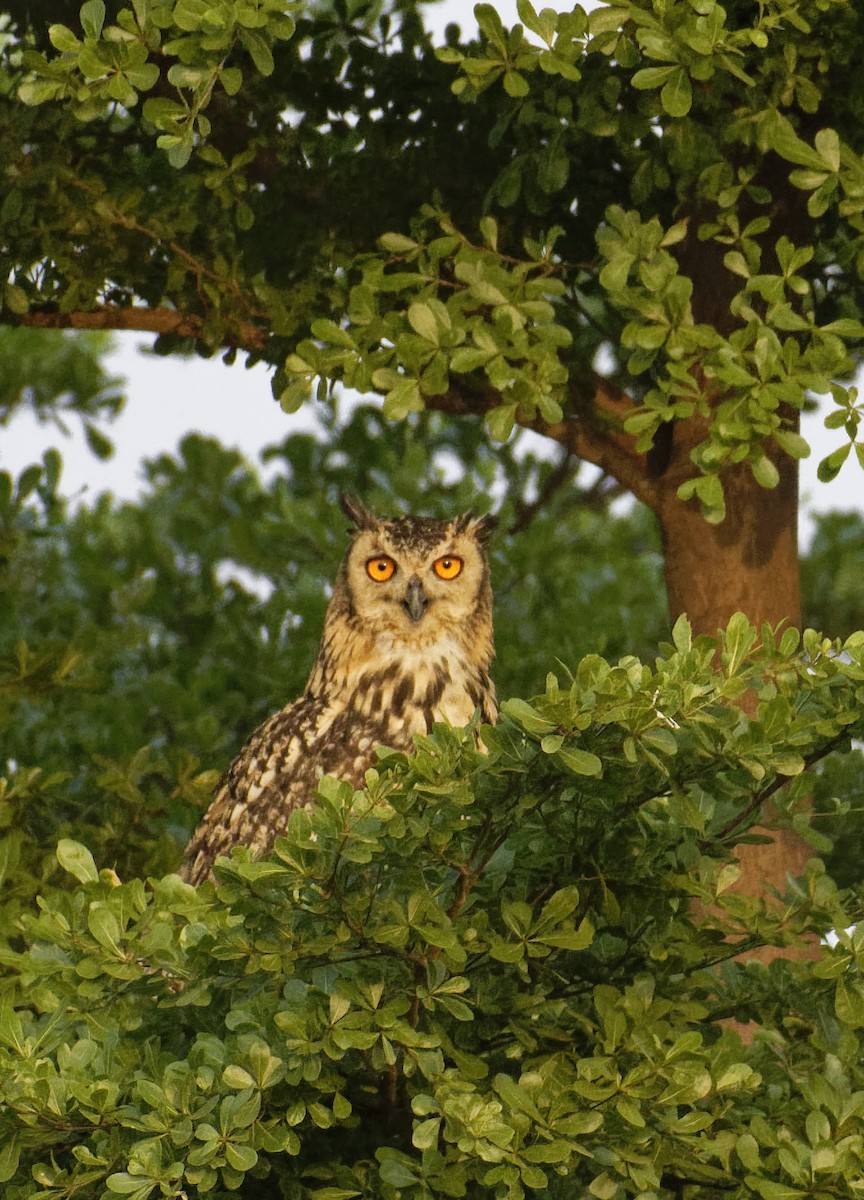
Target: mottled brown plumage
<point x="404" y="645"/>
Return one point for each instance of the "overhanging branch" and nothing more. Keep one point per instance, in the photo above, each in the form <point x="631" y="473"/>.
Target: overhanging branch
<point x="594" y="433"/>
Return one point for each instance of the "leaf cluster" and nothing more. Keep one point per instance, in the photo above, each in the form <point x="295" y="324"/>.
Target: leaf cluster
<point x="501" y="318"/>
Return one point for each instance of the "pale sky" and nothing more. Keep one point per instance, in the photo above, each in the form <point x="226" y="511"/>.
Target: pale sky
<point x="167" y="397"/>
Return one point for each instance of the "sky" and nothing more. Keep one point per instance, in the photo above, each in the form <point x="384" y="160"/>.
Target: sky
<point x="168" y="397"/>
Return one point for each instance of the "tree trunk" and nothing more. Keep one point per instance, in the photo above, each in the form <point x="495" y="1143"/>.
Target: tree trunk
<point x="748" y="563"/>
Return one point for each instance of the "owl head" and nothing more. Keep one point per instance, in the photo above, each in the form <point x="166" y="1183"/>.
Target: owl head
<point x="416" y="576"/>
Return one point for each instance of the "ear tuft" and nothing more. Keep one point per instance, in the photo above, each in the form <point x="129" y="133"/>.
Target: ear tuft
<point x="481" y="528"/>
<point x="358" y="513"/>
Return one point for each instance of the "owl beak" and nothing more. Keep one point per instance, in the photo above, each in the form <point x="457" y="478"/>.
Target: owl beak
<point x="416" y="601"/>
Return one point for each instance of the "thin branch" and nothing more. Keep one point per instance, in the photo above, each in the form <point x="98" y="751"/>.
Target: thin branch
<point x="766" y="793"/>
<point x="198" y="268"/>
<point x="557" y="478"/>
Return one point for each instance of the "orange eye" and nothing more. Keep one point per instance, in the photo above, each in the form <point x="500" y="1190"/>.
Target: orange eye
<point x="380" y="568"/>
<point x="447" y="567"/>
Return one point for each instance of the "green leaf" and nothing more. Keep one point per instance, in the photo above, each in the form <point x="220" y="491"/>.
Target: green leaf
<point x="37" y="91"/>
<point x="738" y="640"/>
<point x="553" y="166"/>
<point x="764" y="472"/>
<point x="768" y="1189"/>
<point x="527" y="716"/>
<point x="231" y="79"/>
<point x="682" y="635"/>
<point x="259" y="51"/>
<point x="828" y="147"/>
<point x="396" y="1173"/>
<point x="10" y="1152"/>
<point x="398" y="243"/>
<point x="295" y="395"/>
<point x="582" y="762"/>
<point x="422" y="321"/>
<point x="630" y="1112"/>
<point x="98" y="443"/>
<point x="677" y="95"/>
<point x="105" y="927"/>
<point x="240" y="1157"/>
<point x="652" y="77"/>
<point x="143" y="77"/>
<point x="849" y="1003"/>
<point x="63" y="39"/>
<point x="570" y="939"/>
<point x="16" y="299"/>
<point x="515" y="84"/>
<point x="77" y="860"/>
<point x="560" y="904"/>
<point x="124" y="1184"/>
<point x="829" y="467"/>
<point x="92" y="17"/>
<point x="425" y="1135"/>
<point x="660" y="737"/>
<point x="735" y="262"/>
<point x="403" y="399"/>
<point x="792" y="443"/>
<point x="235" y="1076"/>
<point x="845" y="327"/>
<point x="501" y="420"/>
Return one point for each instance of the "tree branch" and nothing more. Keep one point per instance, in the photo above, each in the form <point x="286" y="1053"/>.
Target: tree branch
<point x="159" y="320"/>
<point x="561" y="474"/>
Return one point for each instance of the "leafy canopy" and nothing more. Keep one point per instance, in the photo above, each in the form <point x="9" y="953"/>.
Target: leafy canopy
<point x="662" y="221"/>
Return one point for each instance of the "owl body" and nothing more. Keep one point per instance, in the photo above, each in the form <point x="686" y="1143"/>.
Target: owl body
<point x="407" y="641"/>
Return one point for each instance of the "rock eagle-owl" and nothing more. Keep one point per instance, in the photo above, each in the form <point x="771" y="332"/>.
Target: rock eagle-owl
<point x="407" y="641"/>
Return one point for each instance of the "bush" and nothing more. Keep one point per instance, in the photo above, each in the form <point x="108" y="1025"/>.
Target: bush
<point x="482" y="975"/>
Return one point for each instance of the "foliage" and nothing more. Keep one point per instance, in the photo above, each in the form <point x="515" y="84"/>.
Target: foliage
<point x="57" y="375"/>
<point x="423" y="993"/>
<point x="484" y="974"/>
<point x="831" y="573"/>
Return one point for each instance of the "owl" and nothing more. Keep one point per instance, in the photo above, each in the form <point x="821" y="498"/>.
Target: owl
<point x="407" y="641"/>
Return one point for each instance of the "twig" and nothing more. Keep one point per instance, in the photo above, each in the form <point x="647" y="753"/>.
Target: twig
<point x="767" y="792"/>
<point x="561" y="474"/>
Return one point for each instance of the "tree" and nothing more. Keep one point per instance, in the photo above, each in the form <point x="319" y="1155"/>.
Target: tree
<point x="484" y="974"/>
<point x="479" y="976"/>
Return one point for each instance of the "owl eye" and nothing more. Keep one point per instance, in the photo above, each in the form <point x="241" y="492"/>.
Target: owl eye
<point x="447" y="567"/>
<point x="380" y="568"/>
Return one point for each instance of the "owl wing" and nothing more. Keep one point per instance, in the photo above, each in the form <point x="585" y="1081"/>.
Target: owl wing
<point x="277" y="771"/>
